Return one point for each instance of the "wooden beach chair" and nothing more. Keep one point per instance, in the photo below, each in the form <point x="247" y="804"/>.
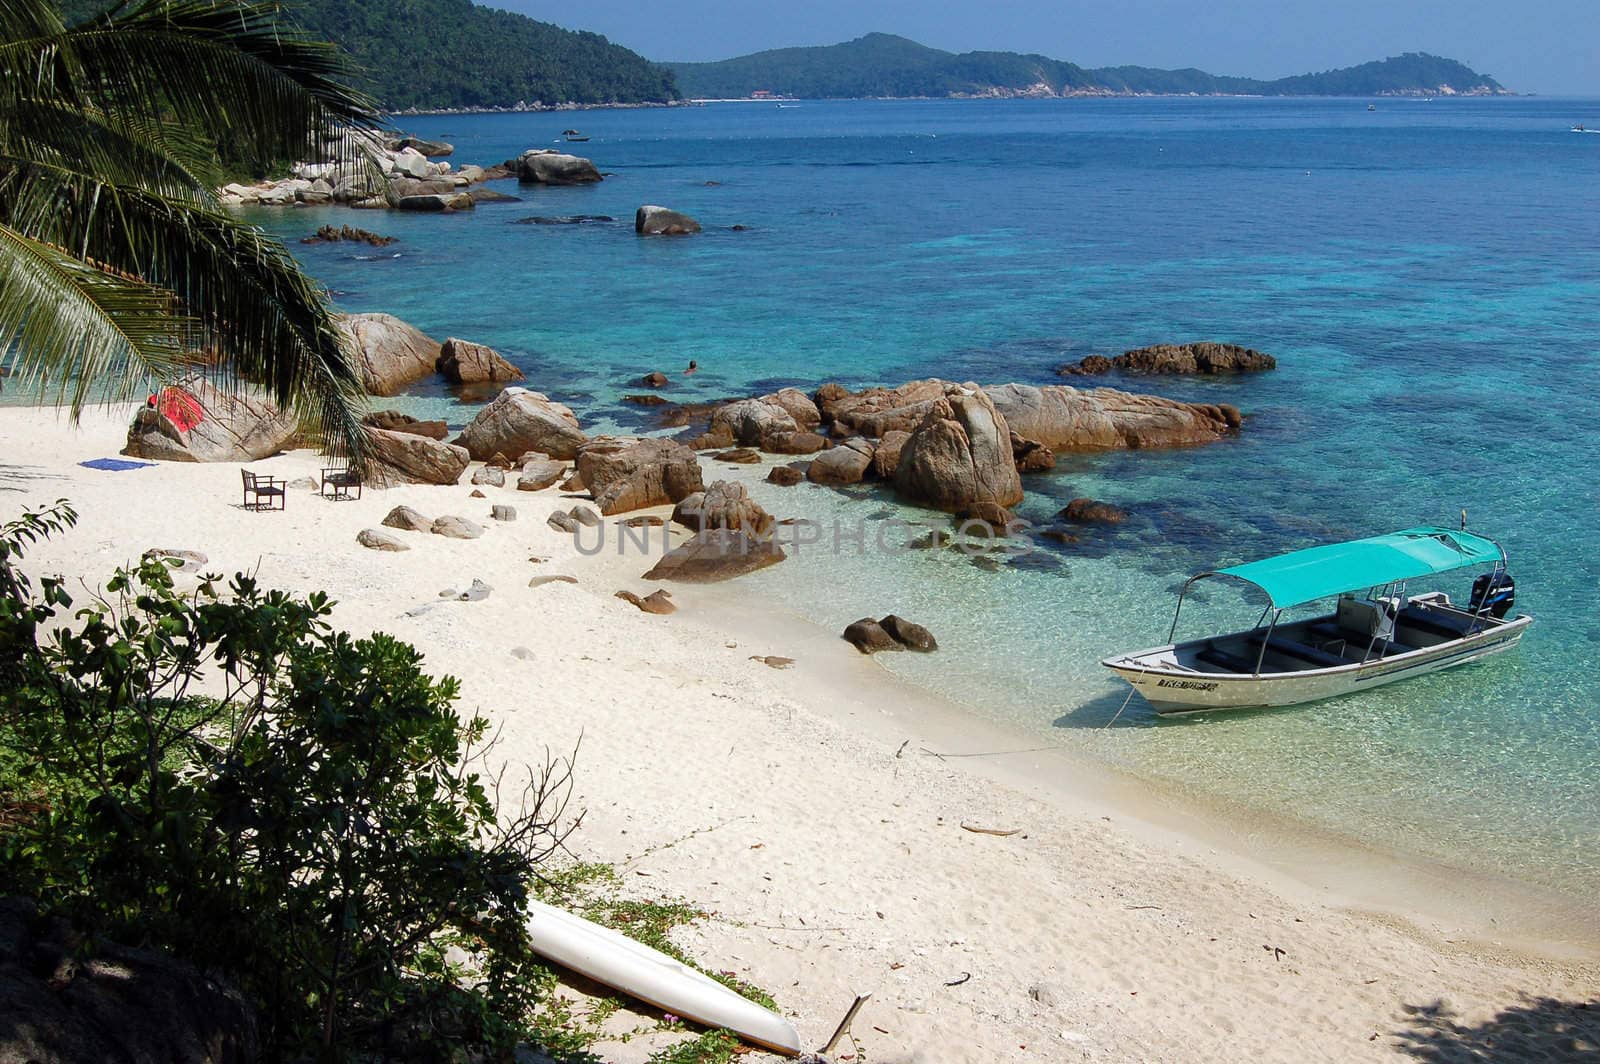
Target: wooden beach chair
<point x="264" y="493"/>
<point x="338" y="482"/>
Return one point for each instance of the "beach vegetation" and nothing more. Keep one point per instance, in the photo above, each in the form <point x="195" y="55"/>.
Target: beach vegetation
<point x="223" y="775"/>
<point x="217" y="772"/>
<point x="117" y="266"/>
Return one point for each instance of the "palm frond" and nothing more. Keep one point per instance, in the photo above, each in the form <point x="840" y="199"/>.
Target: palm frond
<point x="28" y="20"/>
<point x="69" y="328"/>
<point x="256" y="308"/>
<point x="233" y="68"/>
<point x="48" y="140"/>
<point x="108" y="131"/>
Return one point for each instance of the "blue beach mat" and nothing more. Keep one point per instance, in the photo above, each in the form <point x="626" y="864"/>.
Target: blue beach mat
<point x="114" y="465"/>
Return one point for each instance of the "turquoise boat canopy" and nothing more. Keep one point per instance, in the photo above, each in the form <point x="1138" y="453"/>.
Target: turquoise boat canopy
<point x="1321" y="572"/>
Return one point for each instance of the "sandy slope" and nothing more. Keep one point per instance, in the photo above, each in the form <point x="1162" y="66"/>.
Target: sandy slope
<point x="791" y="804"/>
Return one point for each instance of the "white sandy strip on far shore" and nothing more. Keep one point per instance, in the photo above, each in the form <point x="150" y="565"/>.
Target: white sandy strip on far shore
<point x="834" y="860"/>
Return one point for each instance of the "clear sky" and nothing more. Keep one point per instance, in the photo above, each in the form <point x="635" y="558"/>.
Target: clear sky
<point x="1544" y="46"/>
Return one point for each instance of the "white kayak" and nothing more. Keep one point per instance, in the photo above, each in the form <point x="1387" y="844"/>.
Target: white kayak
<point x="653" y="977"/>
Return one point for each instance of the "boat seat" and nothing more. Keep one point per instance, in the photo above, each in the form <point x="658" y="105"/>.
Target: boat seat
<point x="1438" y="624"/>
<point x="1355" y="641"/>
<point x="1328" y="631"/>
<point x="1291" y="649"/>
<point x="1213" y="655"/>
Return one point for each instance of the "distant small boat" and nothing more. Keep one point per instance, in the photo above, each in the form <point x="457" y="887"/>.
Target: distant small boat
<point x="1372" y="107"/>
<point x="1581" y="128"/>
<point x="573" y="136"/>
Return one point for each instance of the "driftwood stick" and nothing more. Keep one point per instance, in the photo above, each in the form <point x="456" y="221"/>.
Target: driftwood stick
<point x="844" y="1024"/>
<point x="989" y="831"/>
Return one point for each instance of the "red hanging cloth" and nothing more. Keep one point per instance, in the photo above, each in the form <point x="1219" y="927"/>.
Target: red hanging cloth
<point x="180" y="408"/>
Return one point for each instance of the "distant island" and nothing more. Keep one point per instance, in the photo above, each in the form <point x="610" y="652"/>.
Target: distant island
<point x="448" y="55"/>
<point x="881" y="65"/>
<point x="457" y="55"/>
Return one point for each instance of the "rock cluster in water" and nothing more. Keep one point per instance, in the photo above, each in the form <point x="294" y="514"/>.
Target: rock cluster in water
<point x="957" y="447"/>
<point x="1194" y="358"/>
<point x="334" y="234"/>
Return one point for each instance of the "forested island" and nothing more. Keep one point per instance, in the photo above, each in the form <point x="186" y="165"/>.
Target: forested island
<point x="883" y="65"/>
<point x="457" y="55"/>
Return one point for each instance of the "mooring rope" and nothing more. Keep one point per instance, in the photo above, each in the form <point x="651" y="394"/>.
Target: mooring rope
<point x="1118" y="713"/>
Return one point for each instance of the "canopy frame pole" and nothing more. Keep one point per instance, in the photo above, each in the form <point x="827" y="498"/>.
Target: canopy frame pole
<point x="1399" y="604"/>
<point x="1262" y="657"/>
<point x="1173" y="631"/>
<point x="1477" y="624"/>
<point x="1375" y="596"/>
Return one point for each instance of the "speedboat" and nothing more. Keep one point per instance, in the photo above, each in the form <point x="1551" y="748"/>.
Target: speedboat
<point x="1377" y="632"/>
<point x="573" y="136"/>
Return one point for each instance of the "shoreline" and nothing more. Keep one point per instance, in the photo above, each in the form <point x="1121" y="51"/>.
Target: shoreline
<point x="785" y="803"/>
<point x="1477" y="911"/>
<point x="1087" y="94"/>
<point x="1313" y="863"/>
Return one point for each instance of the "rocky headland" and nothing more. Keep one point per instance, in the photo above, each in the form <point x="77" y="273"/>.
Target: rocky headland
<point x="409" y="174"/>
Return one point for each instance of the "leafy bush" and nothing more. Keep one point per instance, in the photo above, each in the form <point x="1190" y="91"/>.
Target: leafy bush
<point x="223" y="775"/>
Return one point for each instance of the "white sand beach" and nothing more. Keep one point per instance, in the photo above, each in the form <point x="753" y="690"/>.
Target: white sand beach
<point x="805" y="808"/>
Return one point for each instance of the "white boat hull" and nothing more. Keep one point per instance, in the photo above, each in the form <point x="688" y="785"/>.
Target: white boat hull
<point x="653" y="977"/>
<point x="1171" y="688"/>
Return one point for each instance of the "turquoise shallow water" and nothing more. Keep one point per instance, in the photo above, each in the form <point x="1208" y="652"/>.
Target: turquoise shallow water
<point x="1428" y="275"/>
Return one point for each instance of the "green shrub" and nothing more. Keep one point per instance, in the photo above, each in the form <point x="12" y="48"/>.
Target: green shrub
<point x="223" y="775"/>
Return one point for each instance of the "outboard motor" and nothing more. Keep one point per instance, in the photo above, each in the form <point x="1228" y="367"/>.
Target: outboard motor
<point x="1493" y="593"/>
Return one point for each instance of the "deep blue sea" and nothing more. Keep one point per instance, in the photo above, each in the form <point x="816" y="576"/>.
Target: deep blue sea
<point x="1428" y="275"/>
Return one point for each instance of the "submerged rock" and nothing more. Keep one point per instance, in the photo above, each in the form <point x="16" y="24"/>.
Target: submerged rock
<point x="1088" y="511"/>
<point x="1199" y="358"/>
<point x="565" y="219"/>
<point x="333" y="234"/>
